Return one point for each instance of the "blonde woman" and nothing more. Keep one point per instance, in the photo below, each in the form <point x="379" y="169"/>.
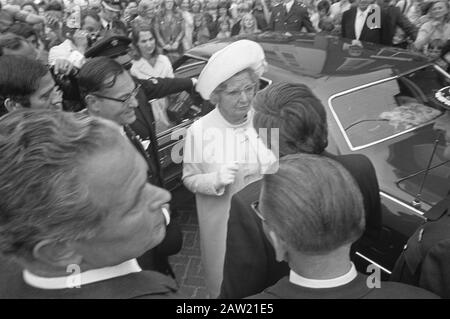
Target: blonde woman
<point x="436" y="30"/>
<point x="249" y="24"/>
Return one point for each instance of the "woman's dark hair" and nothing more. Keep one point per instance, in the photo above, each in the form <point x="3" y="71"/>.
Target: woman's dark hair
<point x="54" y="6"/>
<point x="323" y="5"/>
<point x="31" y="4"/>
<point x="135" y="34"/>
<point x="23" y="29"/>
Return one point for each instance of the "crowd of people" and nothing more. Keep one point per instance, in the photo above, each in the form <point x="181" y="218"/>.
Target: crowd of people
<point x="81" y="185"/>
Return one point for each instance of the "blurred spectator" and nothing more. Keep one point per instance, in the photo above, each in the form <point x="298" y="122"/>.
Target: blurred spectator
<point x="169" y="29"/>
<point x="355" y="23"/>
<point x="196" y="7"/>
<point x="26" y="83"/>
<point x="201" y="33"/>
<point x="151" y="64"/>
<point x="211" y="15"/>
<point x="248" y="24"/>
<point x="224" y="28"/>
<point x="110" y="10"/>
<point x="30" y="7"/>
<point x="398" y="30"/>
<point x="13" y="44"/>
<point x="322" y="17"/>
<point x="146" y="14"/>
<point x="11" y="13"/>
<point x="262" y="14"/>
<point x="242" y="9"/>
<point x="72" y="49"/>
<point x="188" y="24"/>
<point x="434" y="33"/>
<point x="91" y="23"/>
<point x="338" y="8"/>
<point x="290" y="16"/>
<point x="412" y="9"/>
<point x="130" y="12"/>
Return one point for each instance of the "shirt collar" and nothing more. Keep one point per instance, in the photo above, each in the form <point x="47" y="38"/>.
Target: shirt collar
<point x="365" y="11"/>
<point x="298" y="280"/>
<point x="84" y="278"/>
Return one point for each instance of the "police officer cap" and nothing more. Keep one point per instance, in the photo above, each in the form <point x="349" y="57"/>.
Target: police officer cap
<point x="111" y="46"/>
<point x="111" y="5"/>
<point x="228" y="61"/>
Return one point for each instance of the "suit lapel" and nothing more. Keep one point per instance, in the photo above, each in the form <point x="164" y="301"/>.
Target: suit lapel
<point x="352" y="21"/>
<point x="291" y="12"/>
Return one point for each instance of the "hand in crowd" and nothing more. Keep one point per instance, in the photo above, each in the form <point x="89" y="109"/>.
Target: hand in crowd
<point x="63" y="67"/>
<point x="226" y="175"/>
<point x="80" y="39"/>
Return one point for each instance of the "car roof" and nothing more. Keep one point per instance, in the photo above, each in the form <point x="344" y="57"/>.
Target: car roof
<point x="322" y="61"/>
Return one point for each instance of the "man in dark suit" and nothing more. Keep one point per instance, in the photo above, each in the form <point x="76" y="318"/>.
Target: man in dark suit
<point x="250" y="264"/>
<point x="117" y="48"/>
<point x="77" y="210"/>
<point x="312" y="211"/>
<point x="110" y="92"/>
<point x="425" y="261"/>
<point x="290" y="16"/>
<point x="364" y="22"/>
<point x="394" y="19"/>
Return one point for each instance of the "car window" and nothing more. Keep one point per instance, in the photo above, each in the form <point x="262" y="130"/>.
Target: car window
<point x="387" y="109"/>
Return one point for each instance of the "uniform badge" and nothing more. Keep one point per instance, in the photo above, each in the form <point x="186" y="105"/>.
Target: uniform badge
<point x="154" y="81"/>
<point x="114" y="43"/>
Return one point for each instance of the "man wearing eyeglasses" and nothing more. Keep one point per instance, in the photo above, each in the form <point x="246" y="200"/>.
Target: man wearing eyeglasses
<point x="110" y="92"/>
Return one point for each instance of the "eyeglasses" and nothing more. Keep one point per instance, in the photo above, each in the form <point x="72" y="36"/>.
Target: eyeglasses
<point x="248" y="90"/>
<point x="255" y="208"/>
<point x="126" y="101"/>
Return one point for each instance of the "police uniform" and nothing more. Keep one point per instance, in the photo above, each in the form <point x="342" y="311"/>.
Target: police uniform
<point x="143" y="128"/>
<point x="292" y="21"/>
<point x="425" y="260"/>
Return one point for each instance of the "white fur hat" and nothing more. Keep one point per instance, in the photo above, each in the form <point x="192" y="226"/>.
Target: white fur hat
<point x="228" y="61"/>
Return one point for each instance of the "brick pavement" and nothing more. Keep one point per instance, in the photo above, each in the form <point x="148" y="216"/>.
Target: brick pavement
<point x="187" y="263"/>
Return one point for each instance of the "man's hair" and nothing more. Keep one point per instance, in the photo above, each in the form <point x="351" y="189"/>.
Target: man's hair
<point x="19" y="78"/>
<point x="24" y="30"/>
<point x="98" y="74"/>
<point x="31" y="4"/>
<point x="42" y="193"/>
<point x="11" y="41"/>
<point x="54" y="6"/>
<point x="313" y="204"/>
<point x="324" y="4"/>
<point x="90" y="13"/>
<point x="298" y="115"/>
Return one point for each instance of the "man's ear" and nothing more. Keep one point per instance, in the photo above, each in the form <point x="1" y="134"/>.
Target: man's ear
<point x="57" y="254"/>
<point x="92" y="104"/>
<point x="12" y="105"/>
<point x="278" y="245"/>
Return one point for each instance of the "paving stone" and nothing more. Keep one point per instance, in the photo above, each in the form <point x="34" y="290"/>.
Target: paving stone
<point x="201" y="293"/>
<point x="194" y="281"/>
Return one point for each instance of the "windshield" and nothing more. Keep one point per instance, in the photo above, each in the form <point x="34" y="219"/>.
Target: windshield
<point x="376" y="113"/>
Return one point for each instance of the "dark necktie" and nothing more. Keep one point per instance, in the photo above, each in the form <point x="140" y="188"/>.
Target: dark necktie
<point x="152" y="169"/>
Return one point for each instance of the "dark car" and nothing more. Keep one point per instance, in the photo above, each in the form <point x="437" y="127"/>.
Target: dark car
<point x="380" y="102"/>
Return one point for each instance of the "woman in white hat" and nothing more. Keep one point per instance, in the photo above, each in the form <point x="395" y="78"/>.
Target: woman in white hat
<point x="223" y="153"/>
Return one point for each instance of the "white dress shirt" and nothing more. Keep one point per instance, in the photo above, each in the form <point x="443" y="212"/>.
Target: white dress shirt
<point x="288" y="5"/>
<point x="338" y="8"/>
<point x="360" y="19"/>
<point x="298" y="280"/>
<point x="84" y="278"/>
